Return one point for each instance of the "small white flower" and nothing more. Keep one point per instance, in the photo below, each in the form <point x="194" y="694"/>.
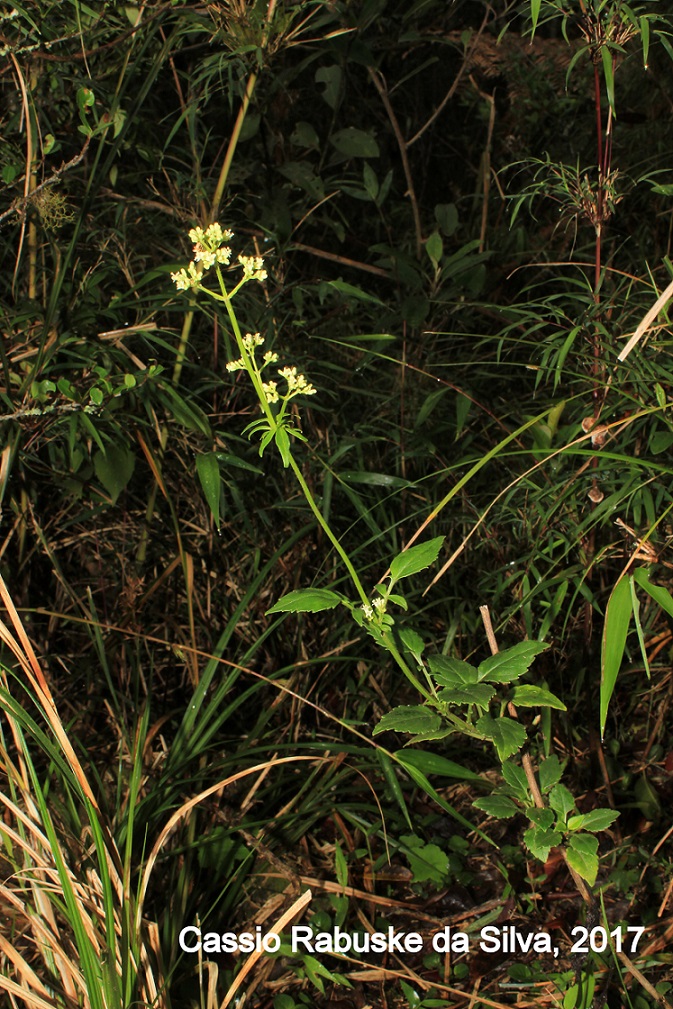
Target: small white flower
<point x="270" y="391"/>
<point x="368" y="611"/>
<point x="253" y="267"/>
<point x="252" y="340"/>
<point x="184" y="279"/>
<point x="296" y="384"/>
<point x="236" y="365"/>
<point x="204" y="257"/>
<point x="379" y="605"/>
<point x="270" y="357"/>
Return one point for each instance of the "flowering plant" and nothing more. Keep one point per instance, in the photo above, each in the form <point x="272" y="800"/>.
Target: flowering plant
<point x="211" y="252"/>
<point x="457" y="698"/>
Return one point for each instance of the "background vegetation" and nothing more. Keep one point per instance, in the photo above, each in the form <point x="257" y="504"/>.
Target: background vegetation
<point x="464" y="211"/>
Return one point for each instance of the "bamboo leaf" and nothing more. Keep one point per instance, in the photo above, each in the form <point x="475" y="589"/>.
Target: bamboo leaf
<point x="645" y="39"/>
<point x="660" y="595"/>
<point x="208" y="471"/>
<point x="618" y="615"/>
<point x="608" y="71"/>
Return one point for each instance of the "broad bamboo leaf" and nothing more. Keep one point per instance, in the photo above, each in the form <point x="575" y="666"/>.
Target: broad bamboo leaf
<point x="114" y="468"/>
<point x="618" y="615"/>
<point x="208" y="471"/>
<point x="608" y="71"/>
<point x="393" y="783"/>
<point x="647" y="798"/>
<point x="535" y="13"/>
<point x="435" y="248"/>
<point x="660" y="595"/>
<point x="434" y="763"/>
<point x="355" y="143"/>
<point x="645" y="39"/>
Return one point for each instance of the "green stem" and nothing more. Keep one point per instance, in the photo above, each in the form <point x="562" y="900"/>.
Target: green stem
<point x="229" y="156"/>
<point x="275" y="425"/>
<point x="324" y="525"/>
<point x="413" y="679"/>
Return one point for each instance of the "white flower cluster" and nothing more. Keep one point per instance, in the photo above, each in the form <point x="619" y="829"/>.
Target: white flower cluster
<point x="253" y="267"/>
<point x="296" y="384"/>
<point x="376" y="610"/>
<point x="209" y="249"/>
<point x="250" y="342"/>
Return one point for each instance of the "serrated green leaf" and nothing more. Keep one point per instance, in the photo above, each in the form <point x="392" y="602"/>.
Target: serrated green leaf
<point x="416" y="559"/>
<point x="540" y="841"/>
<point x="208" y="471"/>
<point x="562" y="801"/>
<point x="527" y="696"/>
<point x="515" y="777"/>
<point x="431" y="735"/>
<point x="511" y="663"/>
<point x="413" y="642"/>
<point x="476" y="693"/>
<point x="434" y="763"/>
<point x="428" y="862"/>
<point x="449" y="672"/>
<point x="582" y="855"/>
<point x="596" y="819"/>
<point x="497" y="806"/>
<point x="550" y="772"/>
<point x="509" y="736"/>
<point x="541" y="817"/>
<point x="306" y="601"/>
<point x="409" y="718"/>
